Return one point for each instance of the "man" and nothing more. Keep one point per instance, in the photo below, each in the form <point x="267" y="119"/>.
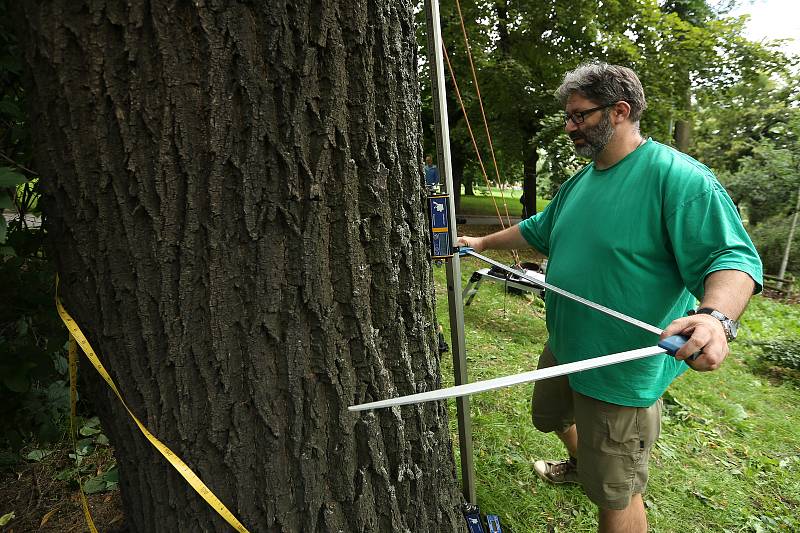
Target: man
<point x="431" y="172"/>
<point x="643" y="229"/>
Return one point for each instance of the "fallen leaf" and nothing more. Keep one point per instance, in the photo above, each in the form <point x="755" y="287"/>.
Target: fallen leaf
<point x="46" y="517"/>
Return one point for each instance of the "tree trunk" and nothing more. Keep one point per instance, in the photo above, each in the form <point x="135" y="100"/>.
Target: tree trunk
<point x="458" y="159"/>
<point x="528" y="199"/>
<point x="468" y="185"/>
<point x="235" y="209"/>
<point x="683" y="127"/>
<point x="787" y="250"/>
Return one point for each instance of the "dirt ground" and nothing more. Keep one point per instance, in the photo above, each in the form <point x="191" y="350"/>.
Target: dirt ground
<point x="42" y="503"/>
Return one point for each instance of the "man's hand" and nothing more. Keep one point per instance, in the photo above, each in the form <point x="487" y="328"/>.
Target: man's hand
<point x="706" y="335"/>
<point x="476" y="243"/>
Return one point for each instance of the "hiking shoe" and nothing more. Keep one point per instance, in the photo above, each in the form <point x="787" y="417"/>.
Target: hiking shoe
<point x="557" y="472"/>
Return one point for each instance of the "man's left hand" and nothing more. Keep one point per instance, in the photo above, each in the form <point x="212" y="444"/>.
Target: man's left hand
<point x="706" y="335"/>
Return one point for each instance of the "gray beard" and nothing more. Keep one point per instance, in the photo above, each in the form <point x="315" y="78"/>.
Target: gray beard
<point x="596" y="139"/>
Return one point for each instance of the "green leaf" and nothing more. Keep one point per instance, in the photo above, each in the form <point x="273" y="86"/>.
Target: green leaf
<point x="94" y="485"/>
<point x="67" y="474"/>
<point x="87" y="431"/>
<point x="3" y="229"/>
<point x="61" y="364"/>
<point x="90" y="427"/>
<point x="104" y="482"/>
<point x="102" y="440"/>
<point x="84" y="447"/>
<point x="112" y="476"/>
<point x="37" y="455"/>
<point x="5" y="201"/>
<point x="58" y="393"/>
<point x="22" y="326"/>
<point x="738" y="413"/>
<point x="6" y="518"/>
<point x="10" y="178"/>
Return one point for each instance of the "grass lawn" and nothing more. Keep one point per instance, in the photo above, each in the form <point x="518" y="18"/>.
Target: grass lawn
<point x="483" y="204"/>
<point x="729" y="454"/>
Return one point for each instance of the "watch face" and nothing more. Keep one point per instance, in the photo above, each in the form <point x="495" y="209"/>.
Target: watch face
<point x="731" y="328"/>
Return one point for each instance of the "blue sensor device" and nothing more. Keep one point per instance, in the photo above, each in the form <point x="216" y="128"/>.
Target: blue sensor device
<point x="439" y="224"/>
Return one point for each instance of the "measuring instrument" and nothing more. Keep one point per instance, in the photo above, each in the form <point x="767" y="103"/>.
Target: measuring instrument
<point x="670" y="346"/>
<point x="588" y="303"/>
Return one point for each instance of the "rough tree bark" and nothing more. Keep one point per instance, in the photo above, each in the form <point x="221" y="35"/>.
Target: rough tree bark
<point x="234" y="199"/>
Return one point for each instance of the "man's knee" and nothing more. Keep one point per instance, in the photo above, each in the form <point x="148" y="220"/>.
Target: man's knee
<point x="552" y="424"/>
<point x="551" y="403"/>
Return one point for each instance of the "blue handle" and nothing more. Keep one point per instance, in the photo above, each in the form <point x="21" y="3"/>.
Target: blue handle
<point x="674" y="343"/>
<point x="462" y="250"/>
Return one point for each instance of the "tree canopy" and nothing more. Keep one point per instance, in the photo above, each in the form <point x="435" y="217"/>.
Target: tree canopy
<point x="680" y="49"/>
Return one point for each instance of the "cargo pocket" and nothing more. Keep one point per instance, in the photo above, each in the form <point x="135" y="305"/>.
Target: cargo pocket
<point x="650" y="424"/>
<point x="624" y="437"/>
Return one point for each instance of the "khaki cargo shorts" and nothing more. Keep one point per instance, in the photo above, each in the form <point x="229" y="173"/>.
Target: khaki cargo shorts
<point x="614" y="441"/>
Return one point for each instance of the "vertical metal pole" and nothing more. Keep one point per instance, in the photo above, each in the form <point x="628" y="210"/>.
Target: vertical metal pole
<point x="454" y="298"/>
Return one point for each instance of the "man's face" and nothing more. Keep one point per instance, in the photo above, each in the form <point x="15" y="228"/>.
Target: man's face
<point x="593" y="135"/>
<point x="428" y="160"/>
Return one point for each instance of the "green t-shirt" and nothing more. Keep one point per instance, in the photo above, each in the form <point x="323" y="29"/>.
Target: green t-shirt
<point x="639" y="237"/>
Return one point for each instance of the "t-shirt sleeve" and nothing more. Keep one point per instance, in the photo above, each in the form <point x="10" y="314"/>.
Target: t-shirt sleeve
<point x="707" y="235"/>
<point x="536" y="229"/>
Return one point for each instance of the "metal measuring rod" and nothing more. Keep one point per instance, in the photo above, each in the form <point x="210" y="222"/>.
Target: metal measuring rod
<point x="670" y="346"/>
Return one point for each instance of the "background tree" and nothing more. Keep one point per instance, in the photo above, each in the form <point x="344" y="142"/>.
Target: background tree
<point x="733" y="122"/>
<point x="749" y="135"/>
<point x="521" y="51"/>
<point x="234" y="205"/>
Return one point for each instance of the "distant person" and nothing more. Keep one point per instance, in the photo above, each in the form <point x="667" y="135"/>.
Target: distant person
<point x="642" y="229"/>
<point x="431" y="172"/>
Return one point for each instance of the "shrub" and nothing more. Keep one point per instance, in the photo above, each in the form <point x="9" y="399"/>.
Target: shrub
<point x="783" y="352"/>
<point x="770" y="239"/>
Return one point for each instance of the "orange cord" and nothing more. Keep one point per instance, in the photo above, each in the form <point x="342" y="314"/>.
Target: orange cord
<point x="471" y="134"/>
<point x="483" y="113"/>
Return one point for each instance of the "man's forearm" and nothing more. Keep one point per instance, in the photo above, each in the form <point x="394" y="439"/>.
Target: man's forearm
<point x="509" y="238"/>
<point x="728" y="291"/>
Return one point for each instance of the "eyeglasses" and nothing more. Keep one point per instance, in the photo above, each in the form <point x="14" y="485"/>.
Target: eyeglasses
<point x="579" y="116"/>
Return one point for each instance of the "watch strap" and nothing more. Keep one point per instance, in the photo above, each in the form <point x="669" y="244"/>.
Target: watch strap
<point x="728" y="324"/>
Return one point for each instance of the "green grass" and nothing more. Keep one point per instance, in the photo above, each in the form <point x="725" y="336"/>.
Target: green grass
<point x="729" y="454"/>
<point x="483" y="204"/>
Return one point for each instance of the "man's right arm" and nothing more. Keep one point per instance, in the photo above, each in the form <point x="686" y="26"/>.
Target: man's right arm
<point x="509" y="238"/>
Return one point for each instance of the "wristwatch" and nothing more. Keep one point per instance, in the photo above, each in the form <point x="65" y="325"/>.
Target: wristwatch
<point x="730" y="326"/>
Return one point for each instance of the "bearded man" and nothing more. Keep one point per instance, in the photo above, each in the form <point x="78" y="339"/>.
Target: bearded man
<point x="645" y="230"/>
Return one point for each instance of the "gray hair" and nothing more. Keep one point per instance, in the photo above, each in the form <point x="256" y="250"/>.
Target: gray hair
<point x="604" y="84"/>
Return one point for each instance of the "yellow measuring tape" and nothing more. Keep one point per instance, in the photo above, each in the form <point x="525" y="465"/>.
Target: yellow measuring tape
<point x="174" y="460"/>
<point x="73" y="403"/>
